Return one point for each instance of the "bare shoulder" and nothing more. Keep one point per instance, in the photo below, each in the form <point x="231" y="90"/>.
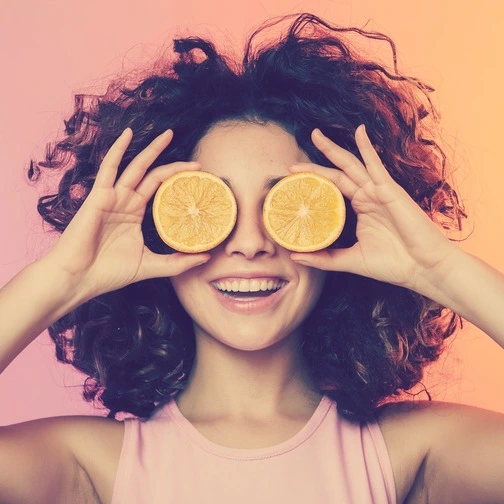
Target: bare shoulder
<point x="433" y="446"/>
<point x="96" y="443"/>
<point x="61" y="459"/>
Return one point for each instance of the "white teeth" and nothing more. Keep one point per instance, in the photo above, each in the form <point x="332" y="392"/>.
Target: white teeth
<point x="255" y="285"/>
<point x="249" y="285"/>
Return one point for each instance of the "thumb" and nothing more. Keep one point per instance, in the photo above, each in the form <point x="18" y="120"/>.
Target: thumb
<point x="345" y="260"/>
<point x="168" y="265"/>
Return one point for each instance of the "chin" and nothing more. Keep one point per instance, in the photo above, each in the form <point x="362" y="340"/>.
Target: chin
<point x="246" y="337"/>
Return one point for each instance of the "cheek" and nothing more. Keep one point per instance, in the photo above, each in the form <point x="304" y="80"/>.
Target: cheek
<point x="182" y="287"/>
<point x="315" y="280"/>
<point x="315" y="283"/>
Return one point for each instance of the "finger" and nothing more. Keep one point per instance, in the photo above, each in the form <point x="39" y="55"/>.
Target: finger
<point x="107" y="171"/>
<point x="375" y="168"/>
<point x="340" y="179"/>
<point x="169" y="265"/>
<point x="346" y="260"/>
<point x="342" y="158"/>
<point x="135" y="171"/>
<point x="151" y="182"/>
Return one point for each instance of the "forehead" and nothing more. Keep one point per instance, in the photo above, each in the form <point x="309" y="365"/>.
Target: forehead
<point x="231" y="150"/>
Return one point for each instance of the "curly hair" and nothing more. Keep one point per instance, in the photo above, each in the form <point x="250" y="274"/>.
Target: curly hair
<point x="365" y="341"/>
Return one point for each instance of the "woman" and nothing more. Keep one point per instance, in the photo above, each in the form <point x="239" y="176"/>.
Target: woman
<point x="261" y="397"/>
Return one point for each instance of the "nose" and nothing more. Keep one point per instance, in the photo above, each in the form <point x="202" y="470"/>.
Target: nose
<point x="249" y="237"/>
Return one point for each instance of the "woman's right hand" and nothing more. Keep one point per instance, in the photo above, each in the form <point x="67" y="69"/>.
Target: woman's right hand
<point x="102" y="249"/>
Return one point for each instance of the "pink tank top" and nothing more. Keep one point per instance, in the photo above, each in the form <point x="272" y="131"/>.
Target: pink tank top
<point x="166" y="460"/>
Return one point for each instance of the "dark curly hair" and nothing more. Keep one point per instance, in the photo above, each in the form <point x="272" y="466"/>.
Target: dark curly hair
<point x="365" y="341"/>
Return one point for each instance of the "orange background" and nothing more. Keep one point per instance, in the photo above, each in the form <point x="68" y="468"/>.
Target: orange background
<point x="51" y="49"/>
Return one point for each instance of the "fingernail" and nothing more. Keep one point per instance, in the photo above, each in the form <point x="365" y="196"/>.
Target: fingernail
<point x="203" y="261"/>
<point x="298" y="260"/>
<point x="318" y="132"/>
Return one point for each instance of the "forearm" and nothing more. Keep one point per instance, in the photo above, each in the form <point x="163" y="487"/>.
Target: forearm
<point x="471" y="288"/>
<point x="35" y="298"/>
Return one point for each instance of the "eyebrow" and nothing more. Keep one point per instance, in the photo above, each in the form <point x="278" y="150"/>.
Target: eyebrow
<point x="270" y="182"/>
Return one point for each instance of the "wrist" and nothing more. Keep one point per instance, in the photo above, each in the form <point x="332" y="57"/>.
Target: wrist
<point x="439" y="281"/>
<point x="62" y="291"/>
<point x="474" y="290"/>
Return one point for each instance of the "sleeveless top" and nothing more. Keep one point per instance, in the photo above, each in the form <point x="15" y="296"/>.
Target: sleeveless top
<point x="166" y="460"/>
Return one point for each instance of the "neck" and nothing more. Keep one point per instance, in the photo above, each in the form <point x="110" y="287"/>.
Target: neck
<point x="229" y="383"/>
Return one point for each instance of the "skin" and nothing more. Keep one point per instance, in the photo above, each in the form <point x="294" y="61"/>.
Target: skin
<point x="439" y="452"/>
<point x="257" y="355"/>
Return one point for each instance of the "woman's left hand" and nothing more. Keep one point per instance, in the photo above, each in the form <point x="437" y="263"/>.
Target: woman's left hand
<point x="397" y="242"/>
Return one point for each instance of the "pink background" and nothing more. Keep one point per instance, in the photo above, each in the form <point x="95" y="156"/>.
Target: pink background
<point x="51" y="49"/>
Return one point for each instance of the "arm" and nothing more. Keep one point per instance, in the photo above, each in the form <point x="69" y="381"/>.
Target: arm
<point x="399" y="244"/>
<point x="440" y="452"/>
<point x="470" y="287"/>
<point x="101" y="250"/>
<point x="34" y="299"/>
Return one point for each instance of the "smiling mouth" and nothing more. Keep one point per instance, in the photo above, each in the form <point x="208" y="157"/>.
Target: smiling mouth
<point x="249" y="289"/>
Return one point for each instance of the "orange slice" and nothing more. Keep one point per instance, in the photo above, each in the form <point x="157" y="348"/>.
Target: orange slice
<point x="194" y="211"/>
<point x="304" y="212"/>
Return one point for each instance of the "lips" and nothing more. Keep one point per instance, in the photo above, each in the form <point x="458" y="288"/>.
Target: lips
<point x="242" y="285"/>
<point x="249" y="295"/>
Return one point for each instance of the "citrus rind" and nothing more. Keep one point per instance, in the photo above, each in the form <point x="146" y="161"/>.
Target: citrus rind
<point x="194" y="211"/>
<point x="304" y="212"/>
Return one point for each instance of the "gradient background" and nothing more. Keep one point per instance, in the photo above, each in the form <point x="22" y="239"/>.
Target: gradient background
<point x="50" y="50"/>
